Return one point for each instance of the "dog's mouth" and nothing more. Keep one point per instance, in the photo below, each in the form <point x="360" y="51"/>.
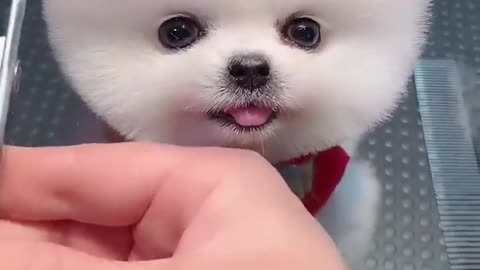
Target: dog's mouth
<point x="247" y="118"/>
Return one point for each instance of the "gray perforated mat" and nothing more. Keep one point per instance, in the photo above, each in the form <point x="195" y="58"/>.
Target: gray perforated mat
<point x="46" y="112"/>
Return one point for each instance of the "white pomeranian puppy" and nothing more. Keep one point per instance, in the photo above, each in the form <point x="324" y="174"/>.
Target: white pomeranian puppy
<point x="282" y="77"/>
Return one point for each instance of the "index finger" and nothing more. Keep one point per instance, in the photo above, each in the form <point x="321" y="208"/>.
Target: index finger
<point x="110" y="185"/>
<point x="88" y="182"/>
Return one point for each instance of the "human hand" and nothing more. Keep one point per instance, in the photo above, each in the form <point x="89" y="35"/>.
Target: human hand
<point x="142" y="206"/>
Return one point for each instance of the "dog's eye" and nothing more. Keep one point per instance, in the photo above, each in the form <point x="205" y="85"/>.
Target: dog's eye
<point x="179" y="32"/>
<point x="303" y="32"/>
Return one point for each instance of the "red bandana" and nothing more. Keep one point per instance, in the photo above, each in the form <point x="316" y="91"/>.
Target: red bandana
<point x="330" y="166"/>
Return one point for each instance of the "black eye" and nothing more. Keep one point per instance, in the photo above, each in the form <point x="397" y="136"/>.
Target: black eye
<point x="303" y="32"/>
<point x="179" y="32"/>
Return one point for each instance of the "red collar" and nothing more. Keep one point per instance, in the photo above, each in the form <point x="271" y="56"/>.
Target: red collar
<point x="330" y="166"/>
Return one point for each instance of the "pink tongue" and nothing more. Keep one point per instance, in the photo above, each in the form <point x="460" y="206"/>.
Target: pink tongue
<point x="251" y="116"/>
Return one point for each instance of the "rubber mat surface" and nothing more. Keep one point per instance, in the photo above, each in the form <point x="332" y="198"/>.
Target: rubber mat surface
<point x="46" y="112"/>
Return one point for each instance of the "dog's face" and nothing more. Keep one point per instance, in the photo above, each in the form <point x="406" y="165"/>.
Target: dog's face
<point x="281" y="77"/>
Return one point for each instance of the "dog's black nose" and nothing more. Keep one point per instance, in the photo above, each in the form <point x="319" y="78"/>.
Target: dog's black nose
<point x="251" y="71"/>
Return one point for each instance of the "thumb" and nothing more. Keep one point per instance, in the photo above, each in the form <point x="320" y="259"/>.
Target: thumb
<point x="35" y="255"/>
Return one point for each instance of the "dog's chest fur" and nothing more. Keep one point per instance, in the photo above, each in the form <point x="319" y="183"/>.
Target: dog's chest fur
<point x="351" y="212"/>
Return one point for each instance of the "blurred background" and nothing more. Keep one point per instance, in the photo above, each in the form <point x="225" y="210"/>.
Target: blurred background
<point x="427" y="155"/>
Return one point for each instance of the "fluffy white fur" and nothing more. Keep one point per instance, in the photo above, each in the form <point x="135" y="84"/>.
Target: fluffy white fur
<point x="110" y="51"/>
